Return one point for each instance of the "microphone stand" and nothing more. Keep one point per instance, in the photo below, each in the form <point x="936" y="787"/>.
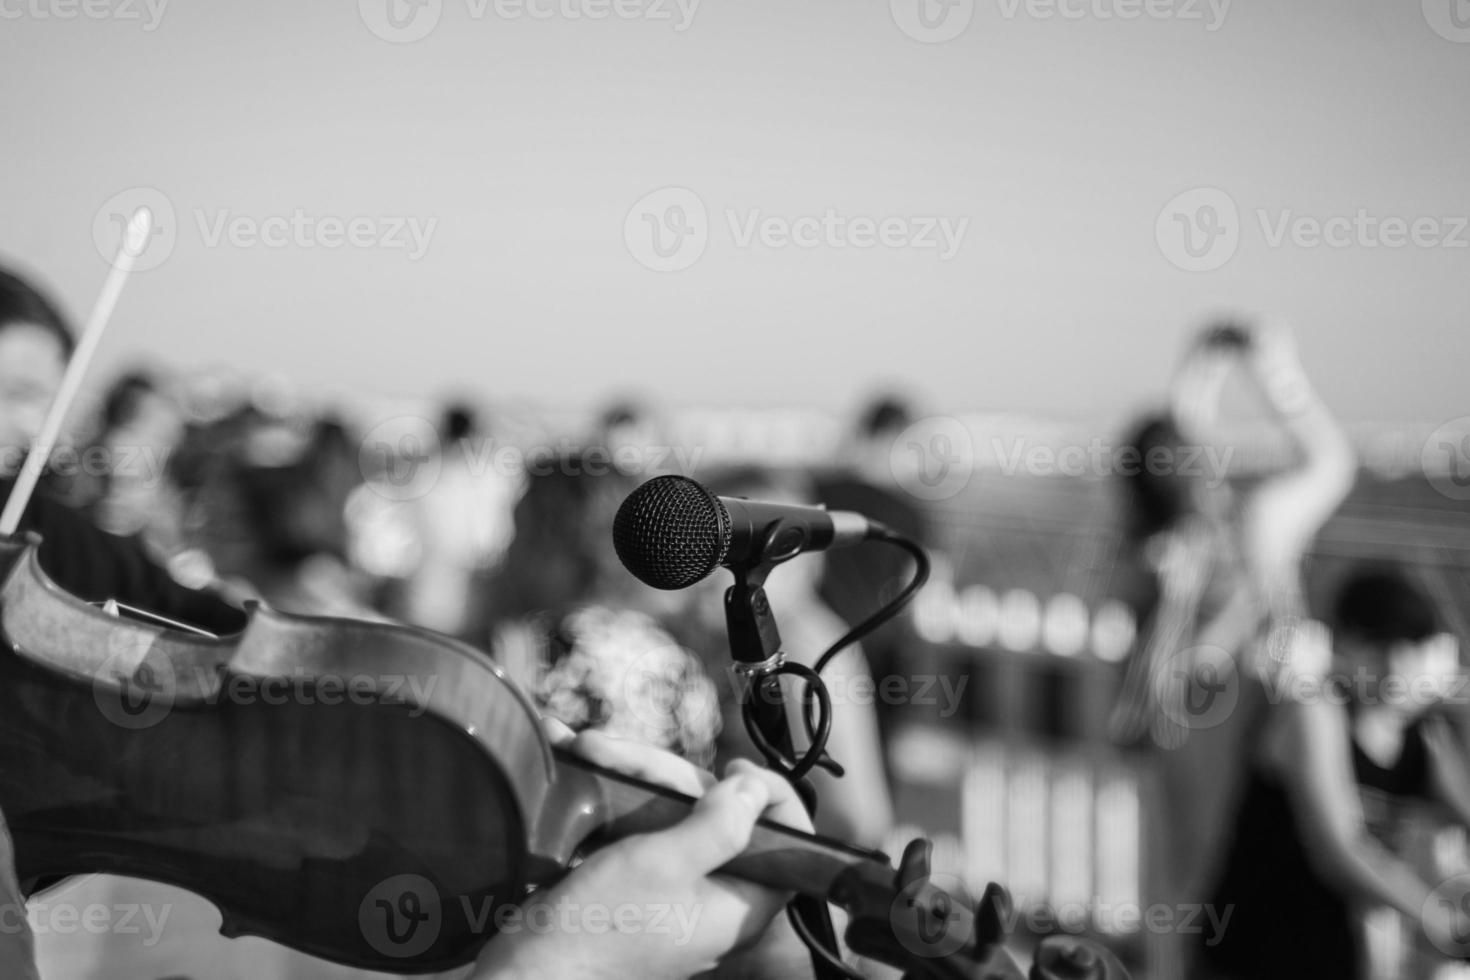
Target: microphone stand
<point x="903" y="920"/>
<point x="755" y="643"/>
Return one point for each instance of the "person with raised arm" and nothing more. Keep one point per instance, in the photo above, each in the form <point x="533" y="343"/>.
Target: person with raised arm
<point x="1226" y="558"/>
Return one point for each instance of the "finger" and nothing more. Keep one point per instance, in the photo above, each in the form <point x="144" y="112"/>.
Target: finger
<point x="717" y="829"/>
<point x="642" y="762"/>
<point x="785" y="805"/>
<point x="555" y="731"/>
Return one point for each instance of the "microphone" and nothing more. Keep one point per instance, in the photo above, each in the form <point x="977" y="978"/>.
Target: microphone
<point x="672" y="531"/>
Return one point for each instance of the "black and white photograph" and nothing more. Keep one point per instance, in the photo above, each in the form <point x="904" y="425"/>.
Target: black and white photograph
<point x="656" y="489"/>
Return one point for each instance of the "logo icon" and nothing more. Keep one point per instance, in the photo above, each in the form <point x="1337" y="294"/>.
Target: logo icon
<point x="925" y="915"/>
<point x="932" y="21"/>
<point x="1199" y="230"/>
<point x="1198" y="687"/>
<point x="1445" y="458"/>
<point x="401" y="916"/>
<point x="934" y="458"/>
<point x="131" y="690"/>
<point x="667" y="230"/>
<point x="110" y="227"/>
<point x="668" y="694"/>
<point x="401" y="21"/>
<point x="1450" y="899"/>
<point x="1450" y="19"/>
<point x="401" y="458"/>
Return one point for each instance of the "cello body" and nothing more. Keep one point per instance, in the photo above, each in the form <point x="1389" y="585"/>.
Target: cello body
<point x="285" y="774"/>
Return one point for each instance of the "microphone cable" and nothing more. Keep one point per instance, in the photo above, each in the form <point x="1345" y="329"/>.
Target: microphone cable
<point x="816" y="705"/>
<point x="816" y="701"/>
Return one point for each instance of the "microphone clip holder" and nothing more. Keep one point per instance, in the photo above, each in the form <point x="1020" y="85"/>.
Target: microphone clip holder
<point x="759" y="662"/>
<point x="755" y="641"/>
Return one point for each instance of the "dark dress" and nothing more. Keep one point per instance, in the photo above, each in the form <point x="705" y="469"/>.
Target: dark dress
<point x="1286" y="921"/>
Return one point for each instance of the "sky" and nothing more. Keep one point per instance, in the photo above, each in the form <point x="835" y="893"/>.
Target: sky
<point x="998" y="205"/>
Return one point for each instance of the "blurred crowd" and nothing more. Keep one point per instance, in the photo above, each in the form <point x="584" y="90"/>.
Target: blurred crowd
<point x="496" y="528"/>
<point x="497" y="534"/>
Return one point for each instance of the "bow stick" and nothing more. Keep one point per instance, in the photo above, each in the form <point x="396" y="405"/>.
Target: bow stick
<point x="134" y="240"/>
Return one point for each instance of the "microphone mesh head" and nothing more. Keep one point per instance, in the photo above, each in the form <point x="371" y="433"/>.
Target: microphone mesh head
<point x="671" y="532"/>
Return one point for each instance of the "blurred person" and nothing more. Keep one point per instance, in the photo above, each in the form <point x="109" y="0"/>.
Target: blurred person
<point x="463" y="525"/>
<point x="628" y="430"/>
<point x="854" y="584"/>
<point x="95" y="565"/>
<point x="1226" y="560"/>
<point x="140" y="429"/>
<point x="35" y="343"/>
<point x="265" y="500"/>
<point x="1328" y="768"/>
<point x="295" y="477"/>
<point x="579" y="633"/>
<point x="83" y="559"/>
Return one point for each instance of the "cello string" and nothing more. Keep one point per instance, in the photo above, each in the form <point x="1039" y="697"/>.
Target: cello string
<point x="114" y="608"/>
